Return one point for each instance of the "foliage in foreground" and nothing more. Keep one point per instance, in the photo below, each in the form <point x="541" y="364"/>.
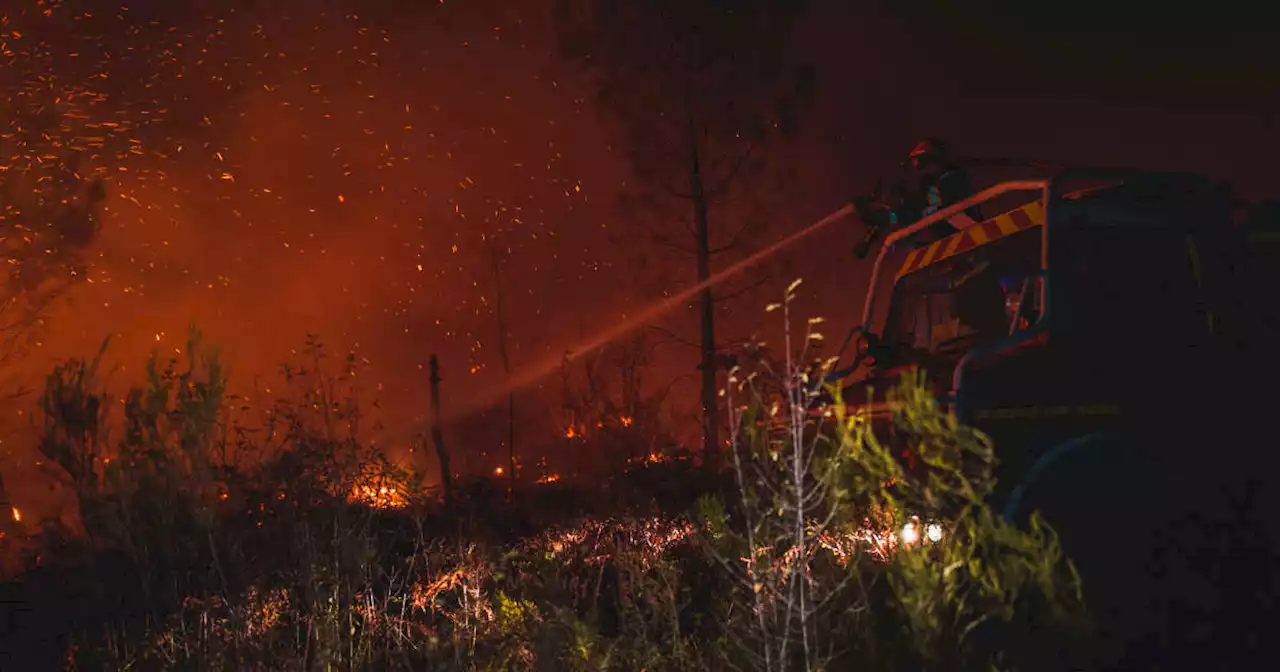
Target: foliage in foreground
<point x="847" y="557"/>
<point x="193" y="560"/>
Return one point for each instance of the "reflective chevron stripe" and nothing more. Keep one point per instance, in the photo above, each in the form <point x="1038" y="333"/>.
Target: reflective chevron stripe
<point x="1029" y="215"/>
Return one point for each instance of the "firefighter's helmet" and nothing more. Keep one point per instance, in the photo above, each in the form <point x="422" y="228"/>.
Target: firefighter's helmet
<point x="928" y="151"/>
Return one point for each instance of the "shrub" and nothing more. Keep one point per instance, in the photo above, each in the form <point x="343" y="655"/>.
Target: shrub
<point x="813" y="540"/>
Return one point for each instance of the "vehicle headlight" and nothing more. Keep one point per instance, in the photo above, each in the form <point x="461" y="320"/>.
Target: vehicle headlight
<point x="910" y="534"/>
<point x="914" y="529"/>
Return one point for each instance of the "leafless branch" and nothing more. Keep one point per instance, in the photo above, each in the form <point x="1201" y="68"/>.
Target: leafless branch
<point x="674" y="337"/>
<point x="733" y="240"/>
<point x="663" y="239"/>
<point x="733" y="172"/>
<point x="733" y="295"/>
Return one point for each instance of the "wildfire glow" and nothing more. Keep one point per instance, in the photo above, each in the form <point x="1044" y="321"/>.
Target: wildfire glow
<point x="549" y="478"/>
<point x="380" y="489"/>
<point x="378" y="497"/>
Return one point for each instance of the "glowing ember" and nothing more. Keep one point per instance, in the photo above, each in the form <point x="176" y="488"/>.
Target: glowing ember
<point x="17" y="515"/>
<point x="497" y="471"/>
<point x="222" y="106"/>
<point x="595" y="541"/>
<point x="549" y="478"/>
<point x="380" y="497"/>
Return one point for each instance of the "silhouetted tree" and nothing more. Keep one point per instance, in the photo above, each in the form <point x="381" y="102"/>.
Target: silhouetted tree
<point x="697" y="88"/>
<point x="437" y="435"/>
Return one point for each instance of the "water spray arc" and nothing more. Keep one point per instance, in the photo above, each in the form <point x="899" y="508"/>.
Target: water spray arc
<point x="541" y="368"/>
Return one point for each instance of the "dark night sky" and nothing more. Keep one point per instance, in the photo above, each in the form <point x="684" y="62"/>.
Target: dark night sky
<point x="1136" y="84"/>
<point x="343" y="174"/>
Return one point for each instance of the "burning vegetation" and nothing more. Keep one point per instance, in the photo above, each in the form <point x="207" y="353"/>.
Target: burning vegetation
<point x="325" y="550"/>
<point x="382" y="487"/>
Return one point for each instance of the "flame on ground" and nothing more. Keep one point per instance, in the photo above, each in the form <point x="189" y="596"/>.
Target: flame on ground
<point x="596" y="540"/>
<point x="654" y="457"/>
<point x="380" y="488"/>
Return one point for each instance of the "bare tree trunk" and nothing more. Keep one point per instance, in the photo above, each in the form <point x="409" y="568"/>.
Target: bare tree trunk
<point x="437" y="436"/>
<point x="511" y="436"/>
<point x="707" y="345"/>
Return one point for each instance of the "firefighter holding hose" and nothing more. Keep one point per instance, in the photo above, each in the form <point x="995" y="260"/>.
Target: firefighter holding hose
<point x="938" y="182"/>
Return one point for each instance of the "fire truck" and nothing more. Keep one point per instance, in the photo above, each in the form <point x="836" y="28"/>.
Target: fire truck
<point x="1096" y="302"/>
<point x="1112" y="332"/>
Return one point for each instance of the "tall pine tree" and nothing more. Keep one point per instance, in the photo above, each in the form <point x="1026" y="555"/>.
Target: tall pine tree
<point x="697" y="91"/>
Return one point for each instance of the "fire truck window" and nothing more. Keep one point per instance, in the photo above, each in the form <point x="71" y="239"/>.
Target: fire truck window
<point x="980" y="305"/>
<point x="964" y="300"/>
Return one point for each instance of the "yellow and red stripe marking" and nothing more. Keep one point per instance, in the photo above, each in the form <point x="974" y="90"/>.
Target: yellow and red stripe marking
<point x="1021" y="219"/>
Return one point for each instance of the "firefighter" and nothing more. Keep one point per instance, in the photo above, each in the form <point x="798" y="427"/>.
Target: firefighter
<point x="941" y="183"/>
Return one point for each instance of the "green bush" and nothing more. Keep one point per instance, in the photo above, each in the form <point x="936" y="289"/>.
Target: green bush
<point x="816" y="535"/>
